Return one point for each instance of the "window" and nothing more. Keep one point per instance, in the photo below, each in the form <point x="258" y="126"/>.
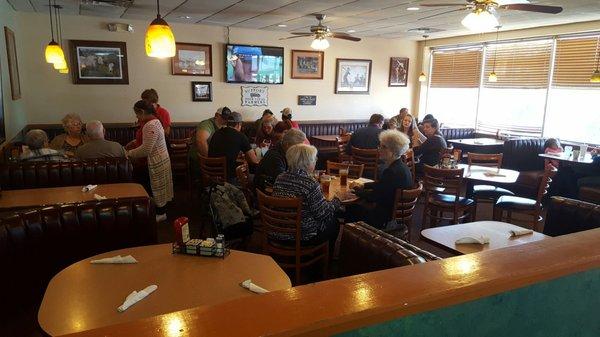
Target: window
<point x="455" y="73"/>
<point x="543" y="87"/>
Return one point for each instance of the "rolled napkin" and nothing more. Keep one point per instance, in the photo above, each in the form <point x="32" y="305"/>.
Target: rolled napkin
<point x="253" y="287"/>
<point x="481" y="239"/>
<point x="99" y="197"/>
<point x="136" y="296"/>
<point x="88" y="188"/>
<point x="115" y="259"/>
<point x="493" y="174"/>
<point x="519" y="232"/>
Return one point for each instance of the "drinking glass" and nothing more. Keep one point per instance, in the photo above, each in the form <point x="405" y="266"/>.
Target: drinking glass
<point x="325" y="182"/>
<point x="344" y="176"/>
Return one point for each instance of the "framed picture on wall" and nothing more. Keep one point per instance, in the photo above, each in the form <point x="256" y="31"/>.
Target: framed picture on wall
<point x="13" y="65"/>
<point x="99" y="62"/>
<point x="2" y="131"/>
<point x="192" y="59"/>
<point x="201" y="91"/>
<point x="307" y="64"/>
<point x="352" y="76"/>
<point x="398" y="72"/>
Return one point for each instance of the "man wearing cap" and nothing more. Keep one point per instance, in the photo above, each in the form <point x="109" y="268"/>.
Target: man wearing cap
<point x="228" y="142"/>
<point x="286" y="116"/>
<point x="204" y="132"/>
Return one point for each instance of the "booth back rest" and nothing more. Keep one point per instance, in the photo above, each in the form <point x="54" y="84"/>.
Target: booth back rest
<point x="38" y="243"/>
<point x="365" y="249"/>
<point x="566" y="216"/>
<point x="522" y="154"/>
<point x="457" y="133"/>
<point x="24" y="175"/>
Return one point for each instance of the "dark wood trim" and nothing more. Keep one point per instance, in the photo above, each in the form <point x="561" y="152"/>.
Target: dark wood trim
<point x="372" y="298"/>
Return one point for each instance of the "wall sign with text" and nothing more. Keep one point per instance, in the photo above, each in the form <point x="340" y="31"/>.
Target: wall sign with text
<point x="255" y="96"/>
<point x="307" y="100"/>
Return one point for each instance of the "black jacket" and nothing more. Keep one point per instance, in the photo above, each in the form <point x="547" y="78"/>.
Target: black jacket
<point x="364" y="138"/>
<point x="272" y="165"/>
<point x="430" y="150"/>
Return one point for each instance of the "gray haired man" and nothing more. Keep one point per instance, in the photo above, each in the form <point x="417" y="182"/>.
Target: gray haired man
<point x="97" y="146"/>
<point x="37" y="144"/>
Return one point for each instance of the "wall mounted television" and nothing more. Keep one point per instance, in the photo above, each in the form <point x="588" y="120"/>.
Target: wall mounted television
<point x="253" y="64"/>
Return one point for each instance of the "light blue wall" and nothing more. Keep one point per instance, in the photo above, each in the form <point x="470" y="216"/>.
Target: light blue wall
<point x="569" y="306"/>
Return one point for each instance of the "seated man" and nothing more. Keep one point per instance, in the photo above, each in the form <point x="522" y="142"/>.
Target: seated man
<point x="367" y="137"/>
<point x="228" y="142"/>
<point x="97" y="146"/>
<point x="37" y="142"/>
<point x="274" y="163"/>
<point x="430" y="149"/>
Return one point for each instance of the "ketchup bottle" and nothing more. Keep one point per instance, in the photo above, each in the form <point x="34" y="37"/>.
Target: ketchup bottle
<point x="181" y="228"/>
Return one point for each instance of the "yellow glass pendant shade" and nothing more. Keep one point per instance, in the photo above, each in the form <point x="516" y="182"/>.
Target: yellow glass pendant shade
<point x="595" y="77"/>
<point x="61" y="64"/>
<point x="64" y="70"/>
<point x="160" y="41"/>
<point x="422" y="77"/>
<point x="54" y="53"/>
<point x="493" y="77"/>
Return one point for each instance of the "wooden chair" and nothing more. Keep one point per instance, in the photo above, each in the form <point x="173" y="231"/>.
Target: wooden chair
<point x="180" y="164"/>
<point x="213" y="170"/>
<point x="342" y="142"/>
<point x="404" y="206"/>
<point x="283" y="216"/>
<point x="367" y="157"/>
<point x="482" y="193"/>
<point x="354" y="171"/>
<point x="442" y="195"/>
<point x="529" y="207"/>
<point x="454" y="152"/>
<point x="409" y="159"/>
<point x="243" y="176"/>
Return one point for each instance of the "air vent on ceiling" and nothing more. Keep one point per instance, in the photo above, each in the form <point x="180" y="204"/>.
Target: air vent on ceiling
<point x="424" y="30"/>
<point x="108" y="3"/>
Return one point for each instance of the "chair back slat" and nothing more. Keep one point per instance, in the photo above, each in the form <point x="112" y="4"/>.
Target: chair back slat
<point x="214" y="170"/>
<point x="280" y="215"/>
<point x="447" y="180"/>
<point x="354" y="171"/>
<point x="549" y="173"/>
<point x="409" y="159"/>
<point x="484" y="159"/>
<point x="367" y="157"/>
<point x="342" y="142"/>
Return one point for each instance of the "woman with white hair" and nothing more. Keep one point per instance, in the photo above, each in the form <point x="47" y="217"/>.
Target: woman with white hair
<point x="73" y="137"/>
<point x="319" y="222"/>
<point x="380" y="195"/>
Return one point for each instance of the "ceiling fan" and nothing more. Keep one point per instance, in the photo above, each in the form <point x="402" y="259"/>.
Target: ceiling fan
<point x="483" y="14"/>
<point x="320" y="33"/>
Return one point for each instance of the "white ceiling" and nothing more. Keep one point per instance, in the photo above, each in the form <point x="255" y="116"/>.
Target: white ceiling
<point x="369" y="18"/>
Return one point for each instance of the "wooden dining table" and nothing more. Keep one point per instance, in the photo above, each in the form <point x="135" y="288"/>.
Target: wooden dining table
<point x="498" y="233"/>
<point x="564" y="158"/>
<point x="489" y="174"/>
<point x="85" y="296"/>
<point x="344" y="193"/>
<point x="14" y="199"/>
<point x="326" y="138"/>
<point x="478" y="145"/>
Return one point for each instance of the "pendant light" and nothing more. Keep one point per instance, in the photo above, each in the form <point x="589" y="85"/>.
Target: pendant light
<point x="53" y="52"/>
<point x="596" y="74"/>
<point x="493" y="77"/>
<point x="422" y="76"/>
<point x="160" y="41"/>
<point x="63" y="67"/>
<point x="481" y="19"/>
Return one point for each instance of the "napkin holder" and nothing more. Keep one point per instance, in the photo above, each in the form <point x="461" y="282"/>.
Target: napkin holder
<point x="194" y="247"/>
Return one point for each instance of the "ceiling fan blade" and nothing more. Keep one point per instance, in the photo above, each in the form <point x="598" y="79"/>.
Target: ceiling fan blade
<point x="442" y="5"/>
<point x="345" y="36"/>
<point x="438" y="14"/>
<point x="293" y="37"/>
<point x="533" y="8"/>
<point x="304" y="34"/>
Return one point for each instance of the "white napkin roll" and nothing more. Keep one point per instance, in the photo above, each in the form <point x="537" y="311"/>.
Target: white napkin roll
<point x="137" y="296"/>
<point x="482" y="240"/>
<point x="116" y="259"/>
<point x="88" y="188"/>
<point x="99" y="197"/>
<point x="519" y="232"/>
<point x="253" y="287"/>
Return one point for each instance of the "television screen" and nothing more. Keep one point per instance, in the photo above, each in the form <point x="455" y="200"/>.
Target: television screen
<point x="254" y="64"/>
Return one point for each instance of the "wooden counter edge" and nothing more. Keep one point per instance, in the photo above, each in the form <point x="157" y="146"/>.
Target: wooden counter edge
<point x="309" y="312"/>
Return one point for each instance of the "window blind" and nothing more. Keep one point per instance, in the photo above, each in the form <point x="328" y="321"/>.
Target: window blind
<point x="522" y="65"/>
<point x="575" y="61"/>
<point x="456" y="68"/>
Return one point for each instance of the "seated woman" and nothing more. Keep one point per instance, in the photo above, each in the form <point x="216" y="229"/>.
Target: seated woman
<point x="319" y="222"/>
<point x="429" y="151"/>
<point x="37" y="143"/>
<point x="73" y="137"/>
<point x="266" y="134"/>
<point x="409" y="128"/>
<point x="379" y="196"/>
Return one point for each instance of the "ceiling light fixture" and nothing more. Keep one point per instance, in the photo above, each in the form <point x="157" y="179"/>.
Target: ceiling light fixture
<point x="351" y="31"/>
<point x="282" y="25"/>
<point x="596" y="74"/>
<point x="160" y="42"/>
<point x="481" y="19"/>
<point x="413" y="8"/>
<point x="320" y="43"/>
<point x="422" y="76"/>
<point x="53" y="52"/>
<point x="493" y="77"/>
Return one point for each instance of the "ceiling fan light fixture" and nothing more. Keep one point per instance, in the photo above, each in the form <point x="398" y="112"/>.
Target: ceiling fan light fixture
<point x="160" y="41"/>
<point x="320" y="43"/>
<point x="480" y="20"/>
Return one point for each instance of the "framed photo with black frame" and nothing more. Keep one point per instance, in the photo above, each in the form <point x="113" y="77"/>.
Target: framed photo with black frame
<point x="202" y="91"/>
<point x="398" y="72"/>
<point x="192" y="59"/>
<point x="99" y="62"/>
<point x="353" y="76"/>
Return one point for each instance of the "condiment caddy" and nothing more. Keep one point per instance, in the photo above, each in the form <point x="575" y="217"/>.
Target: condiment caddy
<point x="210" y="247"/>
